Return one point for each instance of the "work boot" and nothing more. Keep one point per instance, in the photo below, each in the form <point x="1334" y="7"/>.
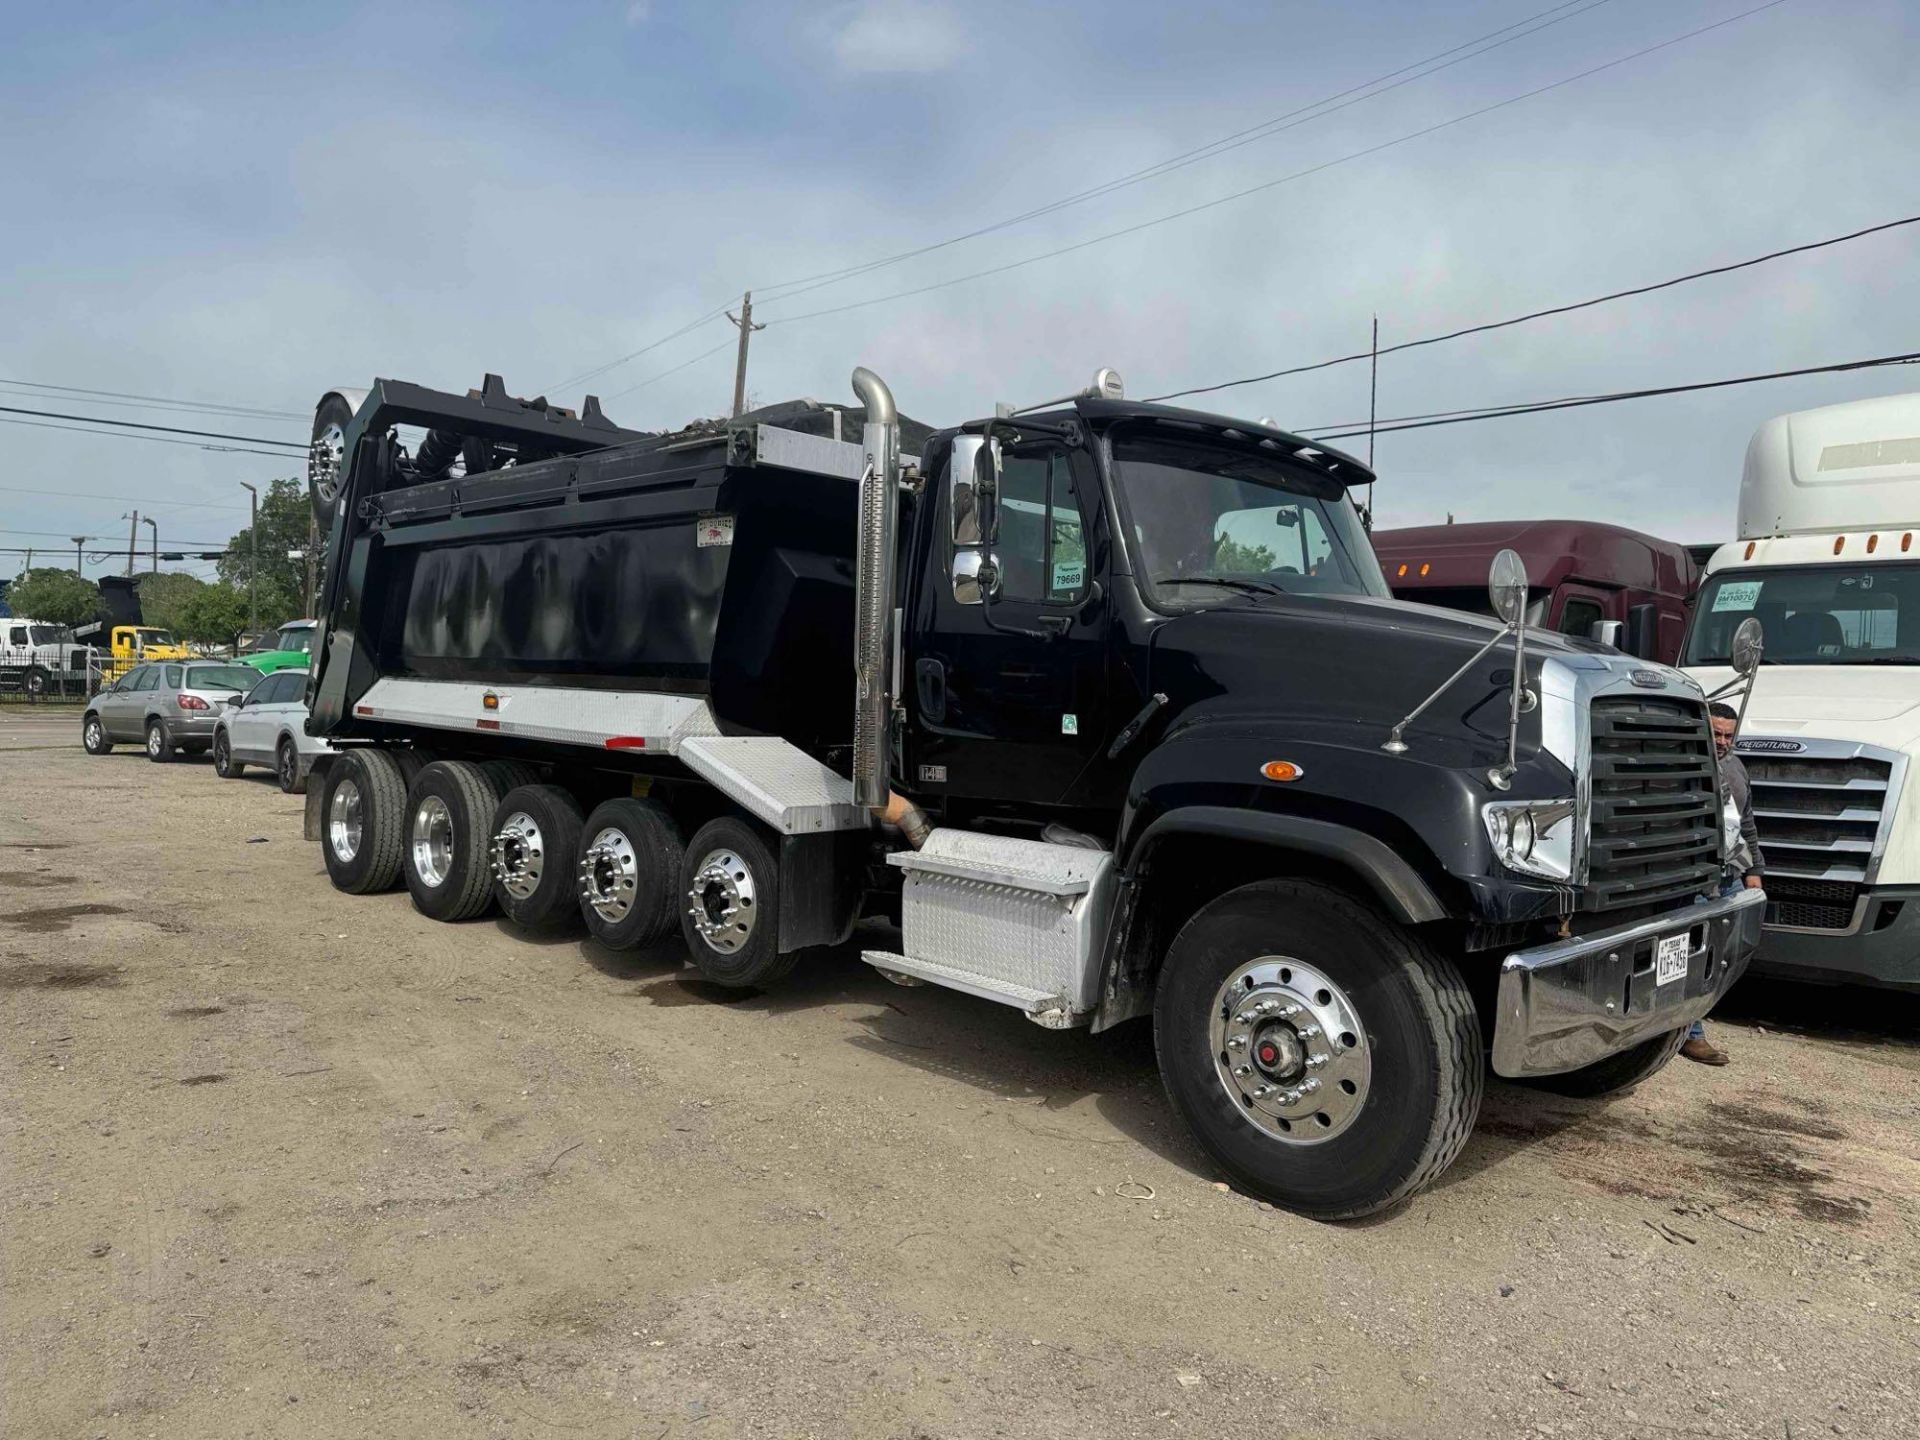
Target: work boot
<point x="1703" y="1051"/>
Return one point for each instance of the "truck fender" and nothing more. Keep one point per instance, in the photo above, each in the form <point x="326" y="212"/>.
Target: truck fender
<point x="1392" y="881"/>
<point x="1126" y="990"/>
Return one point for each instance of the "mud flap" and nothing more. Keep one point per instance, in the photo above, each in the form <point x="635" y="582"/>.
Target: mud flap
<point x="316" y="797"/>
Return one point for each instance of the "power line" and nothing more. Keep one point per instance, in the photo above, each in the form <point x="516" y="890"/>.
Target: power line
<point x="156" y="439"/>
<point x="1283" y="179"/>
<point x="137" y="499"/>
<point x="160" y="401"/>
<point x="1511" y="320"/>
<point x="1536" y="407"/>
<point x="704" y="354"/>
<point x="1302" y="115"/>
<point x="68" y="536"/>
<point x="299" y="445"/>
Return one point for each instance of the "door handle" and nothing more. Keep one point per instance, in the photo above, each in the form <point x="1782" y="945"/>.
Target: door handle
<point x="930" y="687"/>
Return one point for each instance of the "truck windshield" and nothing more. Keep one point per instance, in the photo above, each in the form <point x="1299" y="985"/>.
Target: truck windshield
<point x="48" y="634"/>
<point x="1813" y="614"/>
<point x="297" y="638"/>
<point x="1210" y="521"/>
<point x="155" y="637"/>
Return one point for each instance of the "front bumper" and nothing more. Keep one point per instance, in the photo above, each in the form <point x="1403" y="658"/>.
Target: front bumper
<point x="1567" y="1005"/>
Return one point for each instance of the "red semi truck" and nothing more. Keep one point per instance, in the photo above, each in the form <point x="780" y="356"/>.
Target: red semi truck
<point x="1589" y="579"/>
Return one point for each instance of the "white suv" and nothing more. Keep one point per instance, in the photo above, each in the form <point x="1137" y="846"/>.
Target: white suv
<point x="268" y="726"/>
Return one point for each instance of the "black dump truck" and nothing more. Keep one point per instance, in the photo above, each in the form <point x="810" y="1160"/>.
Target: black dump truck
<point x="1104" y="705"/>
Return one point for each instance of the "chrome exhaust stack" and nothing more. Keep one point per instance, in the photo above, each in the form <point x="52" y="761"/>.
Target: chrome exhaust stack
<point x="873" y="590"/>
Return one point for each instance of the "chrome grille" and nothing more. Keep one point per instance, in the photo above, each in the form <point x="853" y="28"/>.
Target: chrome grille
<point x="1654" y="836"/>
<point x="1819" y="815"/>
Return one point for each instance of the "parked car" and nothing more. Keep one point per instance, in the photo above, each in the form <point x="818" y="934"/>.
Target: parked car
<point x="289" y="647"/>
<point x="268" y="726"/>
<point x="170" y="706"/>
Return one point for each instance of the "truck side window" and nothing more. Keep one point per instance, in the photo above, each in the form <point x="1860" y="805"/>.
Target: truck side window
<point x="1041" y="544"/>
<point x="1579" y="617"/>
<point x="17" y="635"/>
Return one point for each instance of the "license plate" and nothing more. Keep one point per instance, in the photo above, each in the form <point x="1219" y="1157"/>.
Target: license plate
<point x="1670" y="959"/>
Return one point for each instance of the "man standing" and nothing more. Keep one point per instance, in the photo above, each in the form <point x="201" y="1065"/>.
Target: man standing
<point x="1743" y="865"/>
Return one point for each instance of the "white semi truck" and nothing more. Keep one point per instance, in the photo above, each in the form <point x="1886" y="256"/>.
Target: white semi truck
<point x="1828" y="558"/>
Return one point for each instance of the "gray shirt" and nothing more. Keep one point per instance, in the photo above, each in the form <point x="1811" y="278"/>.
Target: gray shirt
<point x="1743" y="856"/>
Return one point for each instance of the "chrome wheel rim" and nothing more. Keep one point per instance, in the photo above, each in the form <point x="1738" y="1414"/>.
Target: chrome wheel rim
<point x="519" y="855"/>
<point x="220" y="753"/>
<point x="344" y="820"/>
<point x="1290" y="1051"/>
<point x="153" y="740"/>
<point x="609" y="875"/>
<point x="93" y="733"/>
<point x="324" y="455"/>
<point x="286" y="765"/>
<point x="721" y="901"/>
<point x="432" y="840"/>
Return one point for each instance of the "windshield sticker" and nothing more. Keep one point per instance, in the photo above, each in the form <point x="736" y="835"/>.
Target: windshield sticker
<point x="1737" y="595"/>
<point x="1068" y="575"/>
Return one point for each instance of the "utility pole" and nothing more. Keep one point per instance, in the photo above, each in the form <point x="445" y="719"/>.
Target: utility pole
<point x="745" y="321"/>
<point x="253" y="567"/>
<point x="79" y="561"/>
<point x="155" y="526"/>
<point x="133" y="539"/>
<point x="1373" y="400"/>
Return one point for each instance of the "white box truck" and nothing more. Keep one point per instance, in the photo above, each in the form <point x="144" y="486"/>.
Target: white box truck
<point x="1828" y="558"/>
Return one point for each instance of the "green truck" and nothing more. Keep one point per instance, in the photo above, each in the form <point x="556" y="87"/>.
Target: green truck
<point x="288" y="648"/>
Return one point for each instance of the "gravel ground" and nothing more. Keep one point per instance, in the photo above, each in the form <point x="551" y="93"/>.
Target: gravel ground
<point x="275" y="1161"/>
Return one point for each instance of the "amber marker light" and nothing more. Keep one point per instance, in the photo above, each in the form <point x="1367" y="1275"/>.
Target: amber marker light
<point x="1401" y="573"/>
<point x="1838" y="542"/>
<point x="1873" y="543"/>
<point x="489" y="701"/>
<point x="1281" y="770"/>
<point x="1424" y="567"/>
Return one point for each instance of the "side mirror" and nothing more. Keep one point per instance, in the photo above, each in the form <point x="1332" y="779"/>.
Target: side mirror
<point x="1749" y="644"/>
<point x="986" y="491"/>
<point x="974" y="577"/>
<point x="1607" y="632"/>
<point x="1643" y="631"/>
<point x="1507" y="587"/>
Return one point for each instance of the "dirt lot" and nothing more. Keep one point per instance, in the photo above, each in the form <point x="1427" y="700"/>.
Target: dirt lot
<point x="276" y="1161"/>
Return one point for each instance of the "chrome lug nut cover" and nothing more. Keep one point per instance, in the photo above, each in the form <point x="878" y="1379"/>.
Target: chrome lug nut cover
<point x="609" y="875"/>
<point x="721" y="901"/>
<point x="1295" y="1094"/>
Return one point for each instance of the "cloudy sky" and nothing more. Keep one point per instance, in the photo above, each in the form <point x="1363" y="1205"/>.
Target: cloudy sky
<point x="247" y="204"/>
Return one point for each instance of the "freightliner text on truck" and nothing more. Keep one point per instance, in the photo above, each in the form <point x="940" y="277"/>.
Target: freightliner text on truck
<point x="1828" y="558"/>
<point x="1135" y="730"/>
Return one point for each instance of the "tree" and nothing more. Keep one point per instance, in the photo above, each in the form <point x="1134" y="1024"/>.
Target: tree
<point x="212" y="615"/>
<point x="164" y="596"/>
<point x="1230" y="557"/>
<point x="280" y="587"/>
<point x="59" y="597"/>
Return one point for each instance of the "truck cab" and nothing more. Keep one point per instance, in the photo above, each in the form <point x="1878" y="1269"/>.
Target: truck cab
<point x="131" y="645"/>
<point x="1585" y="578"/>
<point x="1826" y="560"/>
<point x="37" y="657"/>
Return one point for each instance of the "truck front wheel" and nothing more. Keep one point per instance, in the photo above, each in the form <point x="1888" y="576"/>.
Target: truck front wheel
<point x="1327" y="1059"/>
<point x="362" y="807"/>
<point x="445" y="859"/>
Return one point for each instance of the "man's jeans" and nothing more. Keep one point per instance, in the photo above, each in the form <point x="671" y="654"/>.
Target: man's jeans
<point x="1697" y="1031"/>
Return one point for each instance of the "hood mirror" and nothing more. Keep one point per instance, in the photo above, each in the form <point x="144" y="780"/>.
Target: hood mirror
<point x="1748" y="645"/>
<point x="1507" y="588"/>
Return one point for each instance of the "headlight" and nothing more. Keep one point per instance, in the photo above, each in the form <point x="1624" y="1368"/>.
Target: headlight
<point x="1534" y="837"/>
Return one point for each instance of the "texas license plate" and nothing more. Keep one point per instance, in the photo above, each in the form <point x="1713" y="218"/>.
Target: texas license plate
<point x="1670" y="959"/>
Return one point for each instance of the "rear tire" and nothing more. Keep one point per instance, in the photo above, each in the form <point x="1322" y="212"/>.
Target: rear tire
<point x="1403" y="1072"/>
<point x="159" y="742"/>
<point x="444" y="851"/>
<point x="533" y="856"/>
<point x="286" y="768"/>
<point x="35" y="684"/>
<point x="326" y="459"/>
<point x="628" y="876"/>
<point x="510" y="774"/>
<point x="363" y="804"/>
<point x="224" y="765"/>
<point x="1616" y="1073"/>
<point x="93" y="736"/>
<point x="730" y="906"/>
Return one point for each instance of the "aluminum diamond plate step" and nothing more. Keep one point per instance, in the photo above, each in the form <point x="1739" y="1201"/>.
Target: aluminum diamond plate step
<point x="1040" y="1007"/>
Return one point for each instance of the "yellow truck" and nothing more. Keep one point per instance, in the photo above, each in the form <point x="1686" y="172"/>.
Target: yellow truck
<point x="131" y="645"/>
